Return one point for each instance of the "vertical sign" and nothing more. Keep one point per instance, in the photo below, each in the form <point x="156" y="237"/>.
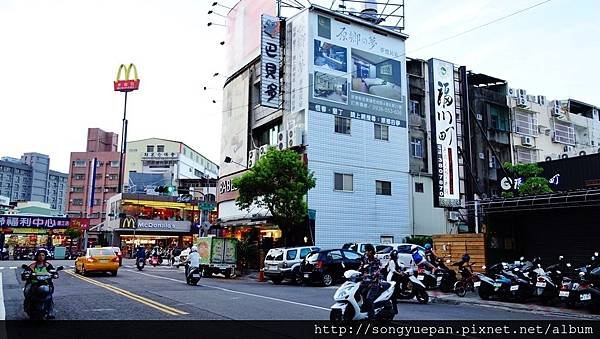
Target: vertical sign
<point x="270" y="94"/>
<point x="444" y="137"/>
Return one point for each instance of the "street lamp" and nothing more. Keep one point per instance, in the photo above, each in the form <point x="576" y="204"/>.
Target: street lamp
<point x="228" y="160"/>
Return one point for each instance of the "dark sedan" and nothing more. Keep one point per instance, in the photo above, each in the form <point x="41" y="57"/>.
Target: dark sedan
<point x="328" y="266"/>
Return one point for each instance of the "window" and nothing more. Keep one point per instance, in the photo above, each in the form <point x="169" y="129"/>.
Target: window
<point x="342" y="125"/>
<point x="17" y="179"/>
<point x="344" y="182"/>
<point x="114" y="163"/>
<point x="291" y="254"/>
<point x="150" y="148"/>
<point x="334" y="255"/>
<point x="564" y="133"/>
<point x="526" y="155"/>
<point x="79" y="163"/>
<point x="416" y="147"/>
<point x="419" y="187"/>
<point x="113" y="176"/>
<point x="525" y="123"/>
<point x="304" y="252"/>
<point x="77" y="189"/>
<point x="499" y="118"/>
<point x="160" y="148"/>
<point x="79" y="177"/>
<point x="352" y="255"/>
<point x="414" y="107"/>
<point x="381" y="132"/>
<point x="383" y="187"/>
<point x="77" y="202"/>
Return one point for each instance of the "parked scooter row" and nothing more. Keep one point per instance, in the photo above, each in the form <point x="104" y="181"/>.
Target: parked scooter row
<point x="560" y="282"/>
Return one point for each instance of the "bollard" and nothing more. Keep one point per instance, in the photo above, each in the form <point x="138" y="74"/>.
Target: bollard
<point x="261" y="276"/>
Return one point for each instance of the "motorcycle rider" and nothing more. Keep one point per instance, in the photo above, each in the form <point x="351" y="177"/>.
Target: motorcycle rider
<point x="420" y="258"/>
<point x="430" y="253"/>
<point x="40" y="265"/>
<point x="370" y="285"/>
<point x="140" y="254"/>
<point x="395" y="273"/>
<point x="193" y="261"/>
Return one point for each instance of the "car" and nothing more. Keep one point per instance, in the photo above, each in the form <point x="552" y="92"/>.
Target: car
<point x="284" y="263"/>
<point x="119" y="254"/>
<point x="328" y="266"/>
<point x="355" y="246"/>
<point x="404" y="254"/>
<point x="99" y="259"/>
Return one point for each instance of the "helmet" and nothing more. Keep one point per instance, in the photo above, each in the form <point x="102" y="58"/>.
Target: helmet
<point x="39" y="251"/>
<point x="466" y="257"/>
<point x="427" y="246"/>
<point x="369" y="247"/>
<point x="194" y="249"/>
<point x="394" y="255"/>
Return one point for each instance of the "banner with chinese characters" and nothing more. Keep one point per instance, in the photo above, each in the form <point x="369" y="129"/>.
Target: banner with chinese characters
<point x="37" y="222"/>
<point x="444" y="137"/>
<point x="270" y="94"/>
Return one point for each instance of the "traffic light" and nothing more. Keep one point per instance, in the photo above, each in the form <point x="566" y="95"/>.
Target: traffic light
<point x="164" y="189"/>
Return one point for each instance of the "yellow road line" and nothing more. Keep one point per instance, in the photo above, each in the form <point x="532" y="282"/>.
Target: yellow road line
<point x="148" y="302"/>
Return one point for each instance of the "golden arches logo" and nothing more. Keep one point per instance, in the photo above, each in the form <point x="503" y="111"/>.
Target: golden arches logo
<point x="128" y="222"/>
<point x="128" y="84"/>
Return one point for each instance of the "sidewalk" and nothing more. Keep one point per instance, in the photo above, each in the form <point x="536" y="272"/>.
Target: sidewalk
<point x="473" y="299"/>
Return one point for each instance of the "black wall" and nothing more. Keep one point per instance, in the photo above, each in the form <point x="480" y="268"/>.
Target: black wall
<point x="581" y="172"/>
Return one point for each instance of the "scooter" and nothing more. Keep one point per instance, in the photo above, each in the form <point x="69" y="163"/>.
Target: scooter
<point x="38" y="292"/>
<point x="408" y="286"/>
<point x="448" y="276"/>
<point x="428" y="279"/>
<point x="192" y="276"/>
<point x="155" y="260"/>
<point x="349" y="301"/>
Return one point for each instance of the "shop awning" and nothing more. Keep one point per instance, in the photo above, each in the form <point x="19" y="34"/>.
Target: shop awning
<point x="241" y="222"/>
<point x="571" y="199"/>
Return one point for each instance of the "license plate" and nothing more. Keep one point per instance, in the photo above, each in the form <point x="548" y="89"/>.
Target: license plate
<point x="196" y="275"/>
<point x="586" y="296"/>
<point x="273" y="267"/>
<point x="563" y="294"/>
<point x="439" y="279"/>
<point x="540" y="284"/>
<point x="103" y="261"/>
<point x="421" y="277"/>
<point x="477" y="284"/>
<point x="514" y="288"/>
<point x="306" y="275"/>
<point x="497" y="285"/>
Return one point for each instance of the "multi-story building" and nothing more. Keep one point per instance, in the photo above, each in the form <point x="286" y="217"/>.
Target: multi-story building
<point x="30" y="179"/>
<point x="173" y="160"/>
<point x="91" y="186"/>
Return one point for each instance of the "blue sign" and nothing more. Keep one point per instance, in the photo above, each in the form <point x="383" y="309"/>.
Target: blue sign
<point x="42" y="222"/>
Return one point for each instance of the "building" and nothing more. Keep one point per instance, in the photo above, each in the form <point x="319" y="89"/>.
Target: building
<point x="93" y="176"/>
<point x="30" y="179"/>
<point x="352" y="130"/>
<point x="172" y="160"/>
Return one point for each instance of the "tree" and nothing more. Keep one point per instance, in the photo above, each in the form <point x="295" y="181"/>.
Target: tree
<point x="279" y="181"/>
<point x="72" y="233"/>
<point x="533" y="183"/>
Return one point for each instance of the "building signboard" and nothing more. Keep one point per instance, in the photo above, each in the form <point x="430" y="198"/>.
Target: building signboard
<point x="443" y="129"/>
<point x="163" y="225"/>
<point x="270" y="93"/>
<point x="37" y="222"/>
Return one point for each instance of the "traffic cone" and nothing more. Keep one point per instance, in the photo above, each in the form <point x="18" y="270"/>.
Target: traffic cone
<point x="261" y="275"/>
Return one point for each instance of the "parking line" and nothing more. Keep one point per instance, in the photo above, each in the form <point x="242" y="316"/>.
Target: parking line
<point x="148" y="302"/>
<point x="239" y="292"/>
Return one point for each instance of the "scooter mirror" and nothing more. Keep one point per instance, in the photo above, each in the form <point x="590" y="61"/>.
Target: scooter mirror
<point x="540" y="265"/>
<point x="558" y="272"/>
<point x="24" y="266"/>
<point x="516" y="269"/>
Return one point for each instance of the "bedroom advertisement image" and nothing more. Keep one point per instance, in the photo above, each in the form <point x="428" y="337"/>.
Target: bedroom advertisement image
<point x="356" y="72"/>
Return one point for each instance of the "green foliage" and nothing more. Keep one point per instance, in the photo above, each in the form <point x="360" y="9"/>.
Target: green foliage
<point x="533" y="183"/>
<point x="278" y="181"/>
<point x="419" y="240"/>
<point x="73" y="233"/>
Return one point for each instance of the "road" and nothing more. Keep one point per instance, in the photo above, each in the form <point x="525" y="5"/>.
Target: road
<point x="161" y="293"/>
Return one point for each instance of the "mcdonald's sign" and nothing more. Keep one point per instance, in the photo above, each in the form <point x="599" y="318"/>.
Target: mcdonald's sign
<point x="128" y="222"/>
<point x="128" y="84"/>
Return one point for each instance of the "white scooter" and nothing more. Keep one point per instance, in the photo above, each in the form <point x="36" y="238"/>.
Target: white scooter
<point x="349" y="300"/>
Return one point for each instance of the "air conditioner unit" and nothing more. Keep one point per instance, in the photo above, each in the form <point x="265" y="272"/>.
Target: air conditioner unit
<point x="541" y="100"/>
<point x="294" y="137"/>
<point x="531" y="98"/>
<point x="556" y="112"/>
<point x="262" y="150"/>
<point x="521" y="92"/>
<point x="479" y="116"/>
<point x="281" y="140"/>
<point x="568" y="149"/>
<point x="454" y="216"/>
<point x="252" y="158"/>
<point x="527" y="141"/>
<point x="511" y="92"/>
<point x="522" y="102"/>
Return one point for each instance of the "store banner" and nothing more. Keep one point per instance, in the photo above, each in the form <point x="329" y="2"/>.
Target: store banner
<point x="270" y="95"/>
<point x="37" y="222"/>
<point x="163" y="225"/>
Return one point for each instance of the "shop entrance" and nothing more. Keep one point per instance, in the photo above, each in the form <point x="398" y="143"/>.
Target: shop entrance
<point x="129" y="242"/>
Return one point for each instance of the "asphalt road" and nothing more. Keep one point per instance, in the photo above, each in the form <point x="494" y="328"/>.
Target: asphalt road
<point x="161" y="293"/>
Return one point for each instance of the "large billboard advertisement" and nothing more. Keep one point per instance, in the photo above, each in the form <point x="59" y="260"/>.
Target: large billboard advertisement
<point x="243" y="32"/>
<point x="356" y="72"/>
<point x="444" y="135"/>
<point x="234" y="128"/>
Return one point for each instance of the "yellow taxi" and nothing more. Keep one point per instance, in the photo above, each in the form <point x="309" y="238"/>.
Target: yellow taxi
<point x="100" y="259"/>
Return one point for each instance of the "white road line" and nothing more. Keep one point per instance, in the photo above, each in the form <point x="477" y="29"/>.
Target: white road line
<point x="2" y="267"/>
<point x="2" y="310"/>
<point x="13" y="267"/>
<point x="239" y="292"/>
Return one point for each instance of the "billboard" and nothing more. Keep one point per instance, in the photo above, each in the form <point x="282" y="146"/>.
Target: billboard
<point x="355" y="71"/>
<point x="444" y="135"/>
<point x="35" y="222"/>
<point x="234" y="128"/>
<point x="270" y="62"/>
<point x="243" y="32"/>
<point x="296" y="70"/>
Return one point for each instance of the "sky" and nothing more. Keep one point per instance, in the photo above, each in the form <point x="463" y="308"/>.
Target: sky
<point x="58" y="59"/>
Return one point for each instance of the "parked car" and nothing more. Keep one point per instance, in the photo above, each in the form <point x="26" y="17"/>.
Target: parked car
<point x="101" y="259"/>
<point x="355" y="246"/>
<point x="328" y="266"/>
<point x="284" y="263"/>
<point x="404" y="254"/>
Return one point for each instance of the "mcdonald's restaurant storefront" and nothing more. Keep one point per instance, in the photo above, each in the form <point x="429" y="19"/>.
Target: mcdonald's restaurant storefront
<point x="150" y="233"/>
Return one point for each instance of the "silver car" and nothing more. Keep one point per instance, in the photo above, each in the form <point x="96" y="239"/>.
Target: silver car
<point x="284" y="263"/>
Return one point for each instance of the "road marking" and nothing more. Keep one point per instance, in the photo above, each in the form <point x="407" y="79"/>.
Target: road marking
<point x="239" y="292"/>
<point x="132" y="296"/>
<point x="2" y="310"/>
<point x="13" y="267"/>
